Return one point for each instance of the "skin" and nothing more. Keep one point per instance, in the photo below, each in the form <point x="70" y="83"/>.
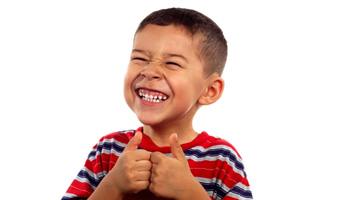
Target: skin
<point x="130" y="174"/>
<point x="164" y="59"/>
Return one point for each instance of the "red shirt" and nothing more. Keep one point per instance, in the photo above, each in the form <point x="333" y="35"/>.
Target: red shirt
<point x="214" y="162"/>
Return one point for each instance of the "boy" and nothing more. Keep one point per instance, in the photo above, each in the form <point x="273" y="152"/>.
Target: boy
<point x="175" y="67"/>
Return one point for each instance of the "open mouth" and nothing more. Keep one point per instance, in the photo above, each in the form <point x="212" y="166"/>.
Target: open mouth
<point x="151" y="95"/>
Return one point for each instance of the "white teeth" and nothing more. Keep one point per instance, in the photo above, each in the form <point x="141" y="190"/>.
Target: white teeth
<point x="151" y="98"/>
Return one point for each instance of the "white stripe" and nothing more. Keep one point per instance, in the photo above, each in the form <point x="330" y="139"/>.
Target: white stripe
<point x="109" y="152"/>
<point x="218" y="147"/>
<point x="95" y="176"/>
<point x="85" y="180"/>
<point x="242" y="186"/>
<point x="215" y="158"/>
<point x="237" y="196"/>
<point x="111" y="141"/>
<point x="69" y="195"/>
<point x="224" y="187"/>
<point x="207" y="181"/>
<point x="214" y="180"/>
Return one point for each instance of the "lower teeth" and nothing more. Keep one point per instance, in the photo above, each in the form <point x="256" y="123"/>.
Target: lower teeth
<point x="152" y="100"/>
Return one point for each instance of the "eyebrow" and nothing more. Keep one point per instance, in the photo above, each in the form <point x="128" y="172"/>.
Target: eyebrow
<point x="140" y="51"/>
<point x="176" y="55"/>
<point x="165" y="54"/>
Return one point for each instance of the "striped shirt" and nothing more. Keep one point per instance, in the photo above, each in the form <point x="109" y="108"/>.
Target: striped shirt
<point x="214" y="162"/>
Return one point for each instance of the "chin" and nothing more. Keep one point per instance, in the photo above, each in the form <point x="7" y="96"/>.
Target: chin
<point x="149" y="121"/>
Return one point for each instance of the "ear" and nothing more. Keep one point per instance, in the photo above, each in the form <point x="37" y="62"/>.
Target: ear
<point x="213" y="91"/>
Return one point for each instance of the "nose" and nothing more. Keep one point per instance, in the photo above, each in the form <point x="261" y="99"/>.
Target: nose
<point x="151" y="71"/>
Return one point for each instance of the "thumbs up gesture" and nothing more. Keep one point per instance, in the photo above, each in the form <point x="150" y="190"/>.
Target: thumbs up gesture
<point x="171" y="176"/>
<point x="132" y="171"/>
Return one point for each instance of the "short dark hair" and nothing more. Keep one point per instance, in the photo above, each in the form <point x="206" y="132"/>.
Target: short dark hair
<point x="213" y="45"/>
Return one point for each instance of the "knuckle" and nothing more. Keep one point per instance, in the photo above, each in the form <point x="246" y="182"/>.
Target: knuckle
<point x="148" y="165"/>
<point x="130" y="176"/>
<point x="153" y="155"/>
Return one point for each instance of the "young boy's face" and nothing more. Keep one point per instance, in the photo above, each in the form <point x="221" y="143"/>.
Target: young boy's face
<point x="165" y="76"/>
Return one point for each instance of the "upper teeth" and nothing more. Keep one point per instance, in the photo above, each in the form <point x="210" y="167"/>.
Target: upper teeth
<point x="152" y="98"/>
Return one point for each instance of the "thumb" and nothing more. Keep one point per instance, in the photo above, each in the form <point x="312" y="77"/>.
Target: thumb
<point x="176" y="148"/>
<point x="133" y="144"/>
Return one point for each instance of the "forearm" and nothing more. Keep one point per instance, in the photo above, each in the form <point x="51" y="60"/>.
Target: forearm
<point x="107" y="191"/>
<point x="195" y="191"/>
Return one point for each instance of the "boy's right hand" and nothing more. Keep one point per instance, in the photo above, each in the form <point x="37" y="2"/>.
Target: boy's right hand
<point x="131" y="172"/>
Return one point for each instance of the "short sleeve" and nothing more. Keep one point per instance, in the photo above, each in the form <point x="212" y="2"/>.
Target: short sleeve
<point x="100" y="160"/>
<point x="240" y="191"/>
<point x="88" y="177"/>
<point x="219" y="168"/>
<point x="235" y="182"/>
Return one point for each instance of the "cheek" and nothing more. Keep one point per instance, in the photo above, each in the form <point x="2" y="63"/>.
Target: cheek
<point x="186" y="90"/>
<point x="188" y="84"/>
<point x="127" y="82"/>
<point x="130" y="75"/>
<point x="127" y="86"/>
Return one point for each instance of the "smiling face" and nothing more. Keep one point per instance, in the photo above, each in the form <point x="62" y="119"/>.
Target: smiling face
<point x="165" y="77"/>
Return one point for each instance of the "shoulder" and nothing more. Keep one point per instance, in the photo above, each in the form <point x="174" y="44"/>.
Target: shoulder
<point x="217" y="149"/>
<point x="121" y="136"/>
<point x="216" y="164"/>
<point x="212" y="142"/>
<point x="115" y="141"/>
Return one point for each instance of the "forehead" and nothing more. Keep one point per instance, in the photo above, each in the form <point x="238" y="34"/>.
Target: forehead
<point x="167" y="39"/>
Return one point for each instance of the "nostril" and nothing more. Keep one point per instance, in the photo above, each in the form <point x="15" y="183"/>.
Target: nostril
<point x="150" y="75"/>
<point x="156" y="77"/>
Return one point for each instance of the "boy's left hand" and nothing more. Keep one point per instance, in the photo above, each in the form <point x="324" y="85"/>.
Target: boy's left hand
<point x="171" y="176"/>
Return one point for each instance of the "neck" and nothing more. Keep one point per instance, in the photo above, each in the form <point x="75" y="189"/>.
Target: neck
<point x="160" y="134"/>
<point x="183" y="127"/>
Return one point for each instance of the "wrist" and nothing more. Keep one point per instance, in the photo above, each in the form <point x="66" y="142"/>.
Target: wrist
<point x="195" y="191"/>
<point x="106" y="190"/>
<point x="111" y="187"/>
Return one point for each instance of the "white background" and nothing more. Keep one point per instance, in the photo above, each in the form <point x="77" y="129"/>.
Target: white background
<point x="287" y="107"/>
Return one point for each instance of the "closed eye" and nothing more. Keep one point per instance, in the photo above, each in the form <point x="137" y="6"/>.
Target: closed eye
<point x="173" y="64"/>
<point x="139" y="60"/>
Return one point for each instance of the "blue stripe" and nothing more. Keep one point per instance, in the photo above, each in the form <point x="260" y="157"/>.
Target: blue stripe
<point x="92" y="154"/>
<point x="108" y="146"/>
<point x="117" y="148"/>
<point x="73" y="198"/>
<point x="92" y="181"/>
<point x="221" y="193"/>
<point x="242" y="192"/>
<point x="215" y="189"/>
<point x="214" y="153"/>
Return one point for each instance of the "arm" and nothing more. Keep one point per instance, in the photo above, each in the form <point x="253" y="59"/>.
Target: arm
<point x="106" y="190"/>
<point x="195" y="191"/>
<point x="129" y="175"/>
